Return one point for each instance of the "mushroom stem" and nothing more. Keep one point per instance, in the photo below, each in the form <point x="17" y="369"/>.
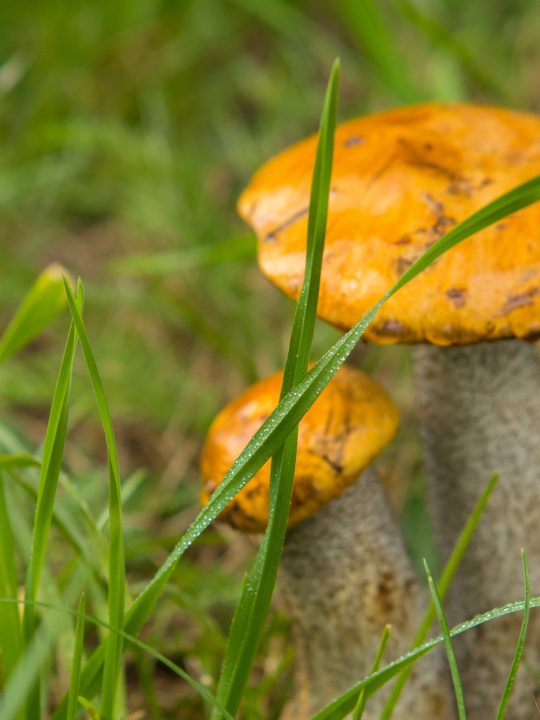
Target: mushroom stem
<point x="345" y="574"/>
<point x="480" y="413"/>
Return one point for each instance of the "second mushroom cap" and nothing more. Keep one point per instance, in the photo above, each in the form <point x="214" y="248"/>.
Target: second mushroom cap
<point x="347" y="426"/>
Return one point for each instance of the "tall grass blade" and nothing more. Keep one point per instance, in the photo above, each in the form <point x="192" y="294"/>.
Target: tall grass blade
<point x="77" y="661"/>
<point x="446" y="578"/>
<point x="11" y="639"/>
<point x="253" y="607"/>
<point x="40" y="306"/>
<point x="362" y="699"/>
<point x="507" y="692"/>
<point x="116" y="591"/>
<point x="53" y="452"/>
<point x="296" y="403"/>
<point x="451" y="655"/>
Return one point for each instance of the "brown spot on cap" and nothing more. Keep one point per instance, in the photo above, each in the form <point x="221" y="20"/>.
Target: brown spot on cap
<point x="354" y="140"/>
<point x="521" y="300"/>
<point x="456" y="296"/>
<point x="392" y="328"/>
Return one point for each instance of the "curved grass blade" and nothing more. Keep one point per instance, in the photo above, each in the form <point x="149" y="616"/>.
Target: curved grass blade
<point x="77" y="660"/>
<point x="40" y="306"/>
<point x="362" y="699"/>
<point x="344" y="704"/>
<point x="116" y="593"/>
<point x="18" y="460"/>
<point x="450" y="654"/>
<point x="501" y="713"/>
<point x="53" y="452"/>
<point x="250" y="615"/>
<point x="295" y="404"/>
<point x="447" y="576"/>
<point x="236" y="249"/>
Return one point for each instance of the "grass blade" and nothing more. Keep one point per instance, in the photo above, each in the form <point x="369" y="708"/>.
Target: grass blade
<point x="18" y="460"/>
<point x="53" y="452"/>
<point x="452" y="662"/>
<point x="362" y="699"/>
<point x="116" y="592"/>
<point x="77" y="661"/>
<point x="40" y="306"/>
<point x="296" y="403"/>
<point x="12" y="695"/>
<point x="254" y="603"/>
<point x="446" y="578"/>
<point x="501" y="713"/>
<point x="236" y="249"/>
<point x="344" y="704"/>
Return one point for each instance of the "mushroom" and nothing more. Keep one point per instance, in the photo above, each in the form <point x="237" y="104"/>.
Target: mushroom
<point x="401" y="180"/>
<point x="345" y="572"/>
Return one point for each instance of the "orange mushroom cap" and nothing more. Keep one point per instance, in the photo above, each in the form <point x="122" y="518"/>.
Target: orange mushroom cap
<point x="402" y="179"/>
<point x="349" y="423"/>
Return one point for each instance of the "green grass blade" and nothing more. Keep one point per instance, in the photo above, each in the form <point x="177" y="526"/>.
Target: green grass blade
<point x="253" y="607"/>
<point x="501" y="713"/>
<point x="451" y="655"/>
<point x="295" y="404"/>
<point x="11" y="639"/>
<point x="53" y="452"/>
<point x="344" y="704"/>
<point x="77" y="661"/>
<point x="71" y="525"/>
<point x="362" y="699"/>
<point x="18" y="460"/>
<point x="446" y="578"/>
<point x="116" y="591"/>
<point x="40" y="306"/>
<point x="13" y="694"/>
<point x="236" y="249"/>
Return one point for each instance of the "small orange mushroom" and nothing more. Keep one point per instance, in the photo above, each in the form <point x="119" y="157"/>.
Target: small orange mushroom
<point x="401" y="179"/>
<point x="345" y="571"/>
<point x="348" y="425"/>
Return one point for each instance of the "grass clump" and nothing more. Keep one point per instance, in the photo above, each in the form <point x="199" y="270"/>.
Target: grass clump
<point x="129" y="133"/>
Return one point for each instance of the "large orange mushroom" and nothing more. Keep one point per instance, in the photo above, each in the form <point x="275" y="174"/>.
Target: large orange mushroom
<point x="345" y="570"/>
<point x="401" y="179"/>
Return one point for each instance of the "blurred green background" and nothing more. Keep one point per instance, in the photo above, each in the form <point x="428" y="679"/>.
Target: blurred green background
<point x="128" y="130"/>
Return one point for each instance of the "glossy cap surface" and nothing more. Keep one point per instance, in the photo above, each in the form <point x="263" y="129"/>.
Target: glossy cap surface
<point x="349" y="423"/>
<point x="401" y="180"/>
